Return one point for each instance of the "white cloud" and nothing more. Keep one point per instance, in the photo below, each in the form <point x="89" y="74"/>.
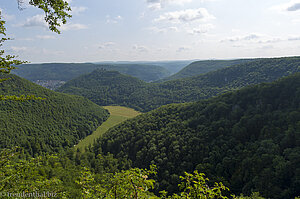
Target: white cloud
<point x="173" y="28"/>
<point x="75" y="26"/>
<point x="19" y="49"/>
<point x="25" y="39"/>
<point x="271" y="40"/>
<point x="113" y="20"/>
<point x="35" y="21"/>
<point x="155" y="29"/>
<point x="6" y="16"/>
<point x="139" y="48"/>
<point x="249" y="37"/>
<point x="183" y="48"/>
<point x="155" y="6"/>
<point x="78" y="10"/>
<point x="203" y="28"/>
<point x="260" y="39"/>
<point x="184" y="16"/>
<point x="158" y="4"/>
<point x="45" y="37"/>
<point x="296" y="21"/>
<point x="294" y="39"/>
<point x="265" y="47"/>
<point x="292" y="6"/>
<point x="107" y="45"/>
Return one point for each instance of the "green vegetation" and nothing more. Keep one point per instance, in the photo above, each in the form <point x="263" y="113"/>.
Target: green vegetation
<point x="104" y="87"/>
<point x="54" y="176"/>
<point x="112" y="88"/>
<point x="118" y="114"/>
<point x="201" y="67"/>
<point x="50" y="125"/>
<point x="144" y="72"/>
<point x="172" y="66"/>
<point x="68" y="71"/>
<point x="53" y="71"/>
<point x="248" y="139"/>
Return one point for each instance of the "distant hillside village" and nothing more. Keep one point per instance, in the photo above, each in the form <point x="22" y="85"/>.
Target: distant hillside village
<point x="50" y="84"/>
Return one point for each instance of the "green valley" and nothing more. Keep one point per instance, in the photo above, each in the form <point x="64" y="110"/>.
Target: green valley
<point x="117" y="114"/>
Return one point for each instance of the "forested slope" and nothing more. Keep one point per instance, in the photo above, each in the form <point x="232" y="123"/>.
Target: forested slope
<point x="49" y="125"/>
<point x="111" y="88"/>
<point x="249" y="139"/>
<point x="68" y="71"/>
<point x="104" y="87"/>
<point x="201" y="67"/>
<point x="144" y="72"/>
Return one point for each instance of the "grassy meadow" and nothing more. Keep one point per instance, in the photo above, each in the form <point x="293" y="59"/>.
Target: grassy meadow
<point x="118" y="114"/>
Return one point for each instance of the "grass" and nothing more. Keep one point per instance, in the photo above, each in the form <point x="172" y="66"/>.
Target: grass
<point x="118" y="114"/>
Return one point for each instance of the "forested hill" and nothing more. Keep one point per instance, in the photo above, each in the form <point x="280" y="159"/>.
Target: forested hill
<point x="105" y="87"/>
<point x="144" y="72"/>
<point x="112" y="88"/>
<point x="68" y="71"/>
<point x="201" y="67"/>
<point x="249" y="139"/>
<point x="57" y="122"/>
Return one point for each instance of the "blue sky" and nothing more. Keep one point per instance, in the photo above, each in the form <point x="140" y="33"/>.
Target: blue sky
<point x="131" y="30"/>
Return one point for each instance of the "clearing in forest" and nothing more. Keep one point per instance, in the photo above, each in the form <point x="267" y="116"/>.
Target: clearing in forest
<point x="118" y="114"/>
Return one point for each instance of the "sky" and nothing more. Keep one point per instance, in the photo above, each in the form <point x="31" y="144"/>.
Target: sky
<point x="153" y="30"/>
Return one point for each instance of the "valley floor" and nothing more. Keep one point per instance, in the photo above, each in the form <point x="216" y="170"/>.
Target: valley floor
<point x="118" y="114"/>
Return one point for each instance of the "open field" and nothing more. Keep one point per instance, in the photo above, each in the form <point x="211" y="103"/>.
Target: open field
<point x="118" y="114"/>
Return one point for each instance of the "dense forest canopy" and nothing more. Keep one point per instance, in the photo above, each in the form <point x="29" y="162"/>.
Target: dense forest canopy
<point x="50" y="125"/>
<point x="248" y="139"/>
<point x="112" y="88"/>
<point x="201" y="67"/>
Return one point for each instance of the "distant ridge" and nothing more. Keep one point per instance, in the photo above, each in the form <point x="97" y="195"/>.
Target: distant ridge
<point x="68" y="71"/>
<point x="127" y="91"/>
<point x="201" y="67"/>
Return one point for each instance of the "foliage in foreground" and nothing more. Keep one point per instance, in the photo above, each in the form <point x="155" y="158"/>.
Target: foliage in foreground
<point x="59" y="178"/>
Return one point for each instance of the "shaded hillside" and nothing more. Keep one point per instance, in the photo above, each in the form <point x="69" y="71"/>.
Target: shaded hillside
<point x="57" y="122"/>
<point x="201" y="67"/>
<point x="107" y="88"/>
<point x="68" y="71"/>
<point x="249" y="139"/>
<point x="144" y="72"/>
<point x="173" y="66"/>
<point x="53" y="71"/>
